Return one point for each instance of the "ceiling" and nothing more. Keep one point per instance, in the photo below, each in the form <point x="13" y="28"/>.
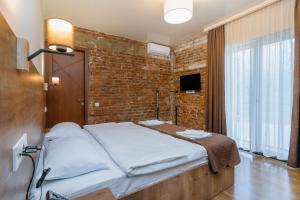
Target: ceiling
<point x="141" y="20"/>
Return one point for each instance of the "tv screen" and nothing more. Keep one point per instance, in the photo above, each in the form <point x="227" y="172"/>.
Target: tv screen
<point x="190" y="82"/>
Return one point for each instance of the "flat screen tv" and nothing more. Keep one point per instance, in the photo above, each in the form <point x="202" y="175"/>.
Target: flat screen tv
<point x="190" y="83"/>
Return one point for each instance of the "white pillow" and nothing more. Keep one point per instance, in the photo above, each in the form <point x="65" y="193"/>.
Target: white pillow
<point x="65" y="126"/>
<point x="65" y="129"/>
<point x="70" y="157"/>
<point x="64" y="134"/>
<point x="153" y="122"/>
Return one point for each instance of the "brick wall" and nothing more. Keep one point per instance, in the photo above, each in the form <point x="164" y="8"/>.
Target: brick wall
<point x="124" y="79"/>
<point x="190" y="57"/>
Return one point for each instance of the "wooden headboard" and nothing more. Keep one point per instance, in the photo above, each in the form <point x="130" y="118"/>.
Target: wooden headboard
<point x="21" y="111"/>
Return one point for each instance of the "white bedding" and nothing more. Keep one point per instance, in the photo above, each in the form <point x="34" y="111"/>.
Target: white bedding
<point x="113" y="178"/>
<point x="138" y="150"/>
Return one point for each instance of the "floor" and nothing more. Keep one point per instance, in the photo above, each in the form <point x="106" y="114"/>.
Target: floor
<point x="260" y="178"/>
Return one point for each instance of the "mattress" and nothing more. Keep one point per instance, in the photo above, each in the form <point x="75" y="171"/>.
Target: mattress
<point x="114" y="178"/>
<point x="138" y="150"/>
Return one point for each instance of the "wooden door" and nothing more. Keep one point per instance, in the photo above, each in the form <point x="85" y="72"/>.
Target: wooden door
<point x="65" y="102"/>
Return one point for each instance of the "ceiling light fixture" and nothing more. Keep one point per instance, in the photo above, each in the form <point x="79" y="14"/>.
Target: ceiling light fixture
<point x="178" y="11"/>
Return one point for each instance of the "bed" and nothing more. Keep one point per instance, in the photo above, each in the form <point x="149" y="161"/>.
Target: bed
<point x="185" y="179"/>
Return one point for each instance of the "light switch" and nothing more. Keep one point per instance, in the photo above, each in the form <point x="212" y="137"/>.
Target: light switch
<point x="97" y="104"/>
<point x="45" y="86"/>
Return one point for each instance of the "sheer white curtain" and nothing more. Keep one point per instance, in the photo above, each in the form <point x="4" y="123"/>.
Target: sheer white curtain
<point x="259" y="63"/>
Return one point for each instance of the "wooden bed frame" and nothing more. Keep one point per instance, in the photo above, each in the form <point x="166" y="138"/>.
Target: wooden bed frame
<point x="196" y="184"/>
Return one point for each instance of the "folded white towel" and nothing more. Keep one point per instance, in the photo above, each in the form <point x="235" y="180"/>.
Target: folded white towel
<point x="153" y="122"/>
<point x="194" y="134"/>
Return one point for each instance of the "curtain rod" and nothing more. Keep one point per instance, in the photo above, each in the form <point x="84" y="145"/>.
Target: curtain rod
<point x="240" y="14"/>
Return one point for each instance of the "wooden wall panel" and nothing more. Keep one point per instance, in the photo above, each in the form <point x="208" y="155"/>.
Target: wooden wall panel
<point x="21" y="111"/>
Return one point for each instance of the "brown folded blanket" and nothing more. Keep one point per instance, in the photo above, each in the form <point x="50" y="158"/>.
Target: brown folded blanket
<point x="222" y="151"/>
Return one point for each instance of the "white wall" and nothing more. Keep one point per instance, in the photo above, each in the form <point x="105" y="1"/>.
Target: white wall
<point x="26" y="20"/>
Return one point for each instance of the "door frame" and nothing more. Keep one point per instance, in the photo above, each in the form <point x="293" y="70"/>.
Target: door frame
<point x="86" y="82"/>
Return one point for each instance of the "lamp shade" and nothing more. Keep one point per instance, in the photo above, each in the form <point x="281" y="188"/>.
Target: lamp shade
<point x="178" y="11"/>
<point x="60" y="35"/>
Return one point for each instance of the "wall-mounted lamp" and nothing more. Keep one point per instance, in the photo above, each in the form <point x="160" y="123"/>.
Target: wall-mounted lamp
<point x="60" y="40"/>
<point x="55" y="80"/>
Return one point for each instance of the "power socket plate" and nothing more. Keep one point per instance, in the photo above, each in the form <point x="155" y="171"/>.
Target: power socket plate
<point x="17" y="150"/>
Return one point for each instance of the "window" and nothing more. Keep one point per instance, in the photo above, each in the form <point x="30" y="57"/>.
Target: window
<point x="259" y="68"/>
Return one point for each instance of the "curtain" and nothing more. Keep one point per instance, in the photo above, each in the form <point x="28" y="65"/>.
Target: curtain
<point x="294" y="153"/>
<point x="259" y="59"/>
<point x="215" y="113"/>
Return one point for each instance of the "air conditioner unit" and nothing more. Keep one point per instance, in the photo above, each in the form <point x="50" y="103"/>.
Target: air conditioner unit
<point x="156" y="49"/>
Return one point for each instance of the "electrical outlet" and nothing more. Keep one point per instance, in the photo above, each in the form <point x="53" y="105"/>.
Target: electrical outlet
<point x="17" y="150"/>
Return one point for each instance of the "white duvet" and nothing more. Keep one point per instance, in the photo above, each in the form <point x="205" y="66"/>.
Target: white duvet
<point x="138" y="150"/>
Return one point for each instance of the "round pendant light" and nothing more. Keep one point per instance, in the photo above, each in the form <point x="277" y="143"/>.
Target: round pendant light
<point x="178" y="11"/>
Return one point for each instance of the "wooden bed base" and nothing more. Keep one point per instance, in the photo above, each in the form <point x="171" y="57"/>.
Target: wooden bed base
<point x="196" y="184"/>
